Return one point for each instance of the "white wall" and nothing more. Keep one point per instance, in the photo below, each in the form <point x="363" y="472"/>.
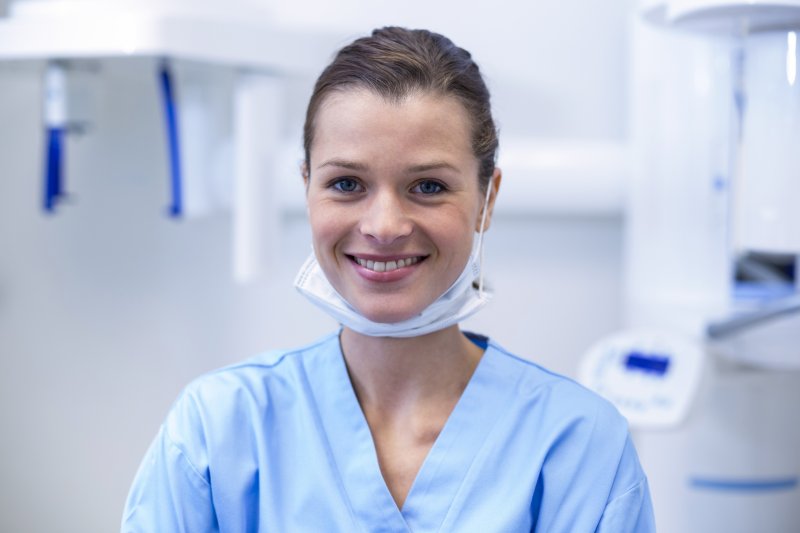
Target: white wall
<point x="556" y="67"/>
<point x="108" y="308"/>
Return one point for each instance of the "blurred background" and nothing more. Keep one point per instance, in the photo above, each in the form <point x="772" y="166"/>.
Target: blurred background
<point x="117" y="287"/>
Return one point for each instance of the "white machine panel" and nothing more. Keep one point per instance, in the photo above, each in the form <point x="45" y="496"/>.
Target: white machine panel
<point x="650" y="376"/>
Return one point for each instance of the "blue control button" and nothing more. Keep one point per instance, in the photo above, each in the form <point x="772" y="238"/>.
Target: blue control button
<point x="655" y="364"/>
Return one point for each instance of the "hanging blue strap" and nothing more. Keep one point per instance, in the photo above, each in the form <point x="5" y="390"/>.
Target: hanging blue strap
<point x="171" y="116"/>
<point x="53" y="175"/>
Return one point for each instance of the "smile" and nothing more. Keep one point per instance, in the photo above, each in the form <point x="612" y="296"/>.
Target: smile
<point x="386" y="266"/>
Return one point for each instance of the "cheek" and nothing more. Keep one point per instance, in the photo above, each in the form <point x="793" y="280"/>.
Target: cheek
<point x="458" y="222"/>
<point x="321" y="234"/>
<point x="327" y="228"/>
<point x="455" y="238"/>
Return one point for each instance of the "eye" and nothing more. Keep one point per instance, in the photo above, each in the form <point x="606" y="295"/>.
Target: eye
<point x="428" y="187"/>
<point x="346" y="185"/>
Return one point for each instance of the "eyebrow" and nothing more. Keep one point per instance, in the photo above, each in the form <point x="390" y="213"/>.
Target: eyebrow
<point x="343" y="163"/>
<point x="352" y="165"/>
<point x="431" y="166"/>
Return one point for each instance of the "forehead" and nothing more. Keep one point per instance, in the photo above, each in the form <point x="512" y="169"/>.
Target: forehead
<point x="360" y="123"/>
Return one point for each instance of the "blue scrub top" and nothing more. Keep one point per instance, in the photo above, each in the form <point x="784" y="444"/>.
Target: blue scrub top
<point x="279" y="443"/>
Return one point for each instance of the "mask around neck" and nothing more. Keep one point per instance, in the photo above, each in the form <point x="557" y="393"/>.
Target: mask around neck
<point x="460" y="301"/>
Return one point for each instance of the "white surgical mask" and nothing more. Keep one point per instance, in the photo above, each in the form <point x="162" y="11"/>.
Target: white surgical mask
<point x="464" y="297"/>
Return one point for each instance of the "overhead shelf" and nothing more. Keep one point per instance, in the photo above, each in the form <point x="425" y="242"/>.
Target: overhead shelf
<point x="724" y="16"/>
<point x="75" y="29"/>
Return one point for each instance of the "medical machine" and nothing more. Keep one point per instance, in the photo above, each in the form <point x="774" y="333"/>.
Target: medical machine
<point x="708" y="370"/>
<point x="221" y="71"/>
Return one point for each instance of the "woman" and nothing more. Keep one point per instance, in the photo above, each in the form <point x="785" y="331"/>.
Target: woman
<point x="399" y="421"/>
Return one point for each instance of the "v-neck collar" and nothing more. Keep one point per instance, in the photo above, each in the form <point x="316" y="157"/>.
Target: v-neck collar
<point x="444" y="469"/>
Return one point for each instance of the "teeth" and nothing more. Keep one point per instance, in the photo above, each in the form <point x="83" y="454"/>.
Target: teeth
<point x="386" y="266"/>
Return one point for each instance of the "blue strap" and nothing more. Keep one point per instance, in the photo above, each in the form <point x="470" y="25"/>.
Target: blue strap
<point x="175" y="209"/>
<point x="53" y="175"/>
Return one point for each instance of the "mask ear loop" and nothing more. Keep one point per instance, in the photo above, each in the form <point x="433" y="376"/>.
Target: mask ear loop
<point x="480" y="235"/>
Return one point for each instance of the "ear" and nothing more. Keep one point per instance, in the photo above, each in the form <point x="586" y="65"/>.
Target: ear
<point x="304" y="173"/>
<point x="493" y="189"/>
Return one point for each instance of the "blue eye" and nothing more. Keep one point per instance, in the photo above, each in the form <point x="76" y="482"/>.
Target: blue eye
<point x="429" y="187"/>
<point x="345" y="185"/>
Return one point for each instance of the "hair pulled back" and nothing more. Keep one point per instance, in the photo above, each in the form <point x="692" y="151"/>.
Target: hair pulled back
<point x="396" y="62"/>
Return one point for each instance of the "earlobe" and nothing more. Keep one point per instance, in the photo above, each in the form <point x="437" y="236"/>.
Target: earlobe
<point x="304" y="173"/>
<point x="491" y="196"/>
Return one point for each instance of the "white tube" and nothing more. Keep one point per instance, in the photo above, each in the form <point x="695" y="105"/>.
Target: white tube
<point x="256" y="215"/>
<point x="55" y="97"/>
<point x="768" y="190"/>
<point x="207" y="141"/>
<point x="569" y="177"/>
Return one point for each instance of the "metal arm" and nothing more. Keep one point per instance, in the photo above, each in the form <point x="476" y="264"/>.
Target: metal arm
<point x="727" y="327"/>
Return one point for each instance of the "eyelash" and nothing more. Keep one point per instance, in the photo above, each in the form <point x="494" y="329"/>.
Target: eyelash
<point x="337" y="185"/>
<point x="440" y="187"/>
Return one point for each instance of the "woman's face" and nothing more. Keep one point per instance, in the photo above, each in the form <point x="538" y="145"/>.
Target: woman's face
<point x="393" y="199"/>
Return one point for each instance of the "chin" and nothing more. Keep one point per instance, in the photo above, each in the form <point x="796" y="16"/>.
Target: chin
<point x="385" y="315"/>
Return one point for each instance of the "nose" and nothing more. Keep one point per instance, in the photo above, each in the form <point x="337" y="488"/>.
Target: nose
<point x="385" y="219"/>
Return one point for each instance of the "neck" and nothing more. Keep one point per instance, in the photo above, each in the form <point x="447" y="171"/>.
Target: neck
<point x="391" y="374"/>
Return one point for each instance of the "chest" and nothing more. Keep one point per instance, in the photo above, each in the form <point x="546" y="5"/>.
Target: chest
<point x="400" y="458"/>
<point x="301" y="484"/>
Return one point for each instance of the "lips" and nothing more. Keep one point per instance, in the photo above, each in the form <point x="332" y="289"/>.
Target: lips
<point x="386" y="266"/>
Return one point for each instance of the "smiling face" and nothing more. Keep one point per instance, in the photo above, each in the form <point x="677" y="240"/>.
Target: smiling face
<point x="393" y="199"/>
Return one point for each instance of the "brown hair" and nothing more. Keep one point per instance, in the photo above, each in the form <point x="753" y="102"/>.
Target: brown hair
<point x="394" y="62"/>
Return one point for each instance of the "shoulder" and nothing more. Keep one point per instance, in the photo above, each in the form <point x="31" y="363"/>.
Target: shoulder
<point x="253" y="377"/>
<point x="573" y="426"/>
<point x="226" y="401"/>
<point x="585" y="454"/>
<point x="566" y="400"/>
